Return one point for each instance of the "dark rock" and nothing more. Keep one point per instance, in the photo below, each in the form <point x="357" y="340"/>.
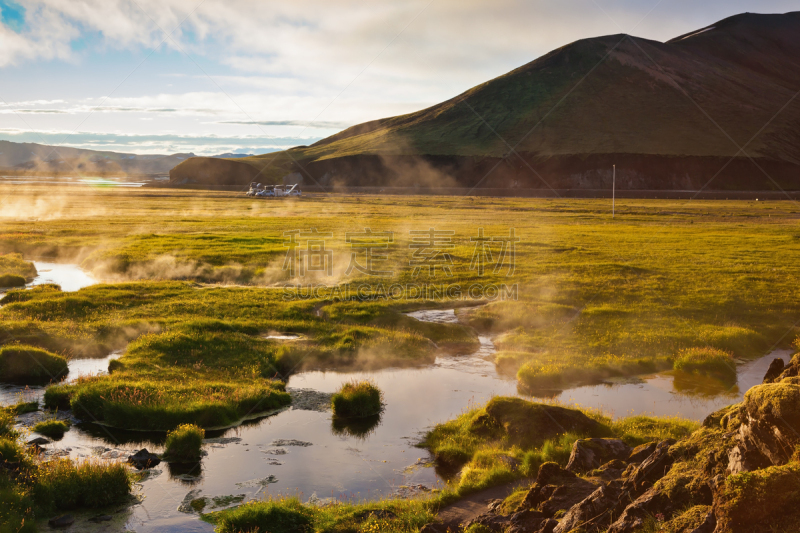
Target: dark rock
<point x="588" y="454"/>
<point x="652" y="502"/>
<point x="556" y="489"/>
<point x="520" y="522"/>
<point x="653" y="468"/>
<point x="548" y="526"/>
<point x="592" y="514"/>
<point x="641" y="452"/>
<point x="38" y="441"/>
<point x="611" y="470"/>
<point x="494" y="505"/>
<point x="768" y="435"/>
<point x="775" y="370"/>
<point x="144" y="459"/>
<point x="61" y="521"/>
<point x="708" y="525"/>
<point x="553" y="474"/>
<point x="436" y="527"/>
<point x="526" y="522"/>
<point x="791" y="370"/>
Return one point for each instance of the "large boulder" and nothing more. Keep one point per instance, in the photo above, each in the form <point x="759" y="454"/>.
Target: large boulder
<point x="592" y="514"/>
<point x="529" y="424"/>
<point x="556" y="489"/>
<point x="770" y="429"/>
<point x="588" y="454"/>
<point x="653" y="468"/>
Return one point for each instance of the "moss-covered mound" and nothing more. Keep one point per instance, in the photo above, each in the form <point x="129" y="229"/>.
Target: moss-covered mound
<point x="16" y="265"/>
<point x="11" y="280"/>
<point x="29" y="365"/>
<point x="529" y="424"/>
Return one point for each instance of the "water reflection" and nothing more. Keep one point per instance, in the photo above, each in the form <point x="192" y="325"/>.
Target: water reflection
<point x="702" y="386"/>
<point x="358" y="428"/>
<point x="69" y="277"/>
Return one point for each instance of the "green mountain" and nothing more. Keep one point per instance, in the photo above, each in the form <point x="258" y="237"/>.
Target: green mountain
<point x="716" y="108"/>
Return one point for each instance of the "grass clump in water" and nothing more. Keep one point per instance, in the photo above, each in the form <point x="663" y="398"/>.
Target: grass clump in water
<point x="708" y="361"/>
<point x="184" y="443"/>
<point x="357" y="399"/>
<point x="26" y="364"/>
<point x="52" y="428"/>
<point x="11" y="280"/>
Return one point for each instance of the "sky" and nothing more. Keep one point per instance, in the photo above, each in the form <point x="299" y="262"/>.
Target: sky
<point x="244" y="76"/>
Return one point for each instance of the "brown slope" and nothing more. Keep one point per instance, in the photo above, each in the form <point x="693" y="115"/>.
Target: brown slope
<point x="671" y="114"/>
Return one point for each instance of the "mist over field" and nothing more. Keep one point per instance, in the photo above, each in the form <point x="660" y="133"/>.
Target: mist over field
<point x="404" y="267"/>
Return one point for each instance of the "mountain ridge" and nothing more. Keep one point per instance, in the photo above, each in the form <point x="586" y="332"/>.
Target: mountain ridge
<point x="713" y="107"/>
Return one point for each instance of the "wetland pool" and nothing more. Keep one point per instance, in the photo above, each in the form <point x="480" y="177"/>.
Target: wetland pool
<point x="302" y="450"/>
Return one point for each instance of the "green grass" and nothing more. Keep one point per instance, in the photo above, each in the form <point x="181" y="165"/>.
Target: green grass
<point x="54" y="429"/>
<point x="357" y="399"/>
<point x="184" y="443"/>
<point x="11" y="280"/>
<point x="43" y="488"/>
<point x="597" y="297"/>
<point x="486" y="454"/>
<point x="14" y="265"/>
<point x="707" y="361"/>
<point x="30" y="365"/>
<point x="288" y="514"/>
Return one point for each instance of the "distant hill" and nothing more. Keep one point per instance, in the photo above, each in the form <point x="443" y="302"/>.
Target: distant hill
<point x="669" y="115"/>
<point x="31" y="157"/>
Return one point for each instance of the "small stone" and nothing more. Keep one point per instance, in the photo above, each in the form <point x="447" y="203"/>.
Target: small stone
<point x="62" y="521"/>
<point x="38" y="441"/>
<point x="144" y="459"/>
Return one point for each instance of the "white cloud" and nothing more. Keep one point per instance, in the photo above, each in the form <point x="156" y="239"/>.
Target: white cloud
<point x="290" y="64"/>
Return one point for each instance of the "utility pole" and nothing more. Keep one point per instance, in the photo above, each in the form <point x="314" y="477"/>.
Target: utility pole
<point x="614" y="193"/>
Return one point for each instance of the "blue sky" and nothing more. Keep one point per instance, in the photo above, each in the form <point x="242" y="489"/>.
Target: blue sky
<point x="212" y="76"/>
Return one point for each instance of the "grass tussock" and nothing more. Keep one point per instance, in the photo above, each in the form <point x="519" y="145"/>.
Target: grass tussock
<point x="30" y="365"/>
<point x="41" y="488"/>
<point x="52" y="428"/>
<point x="163" y="405"/>
<point x="289" y="515"/>
<point x="184" y="443"/>
<point x="707" y="361"/>
<point x="357" y="399"/>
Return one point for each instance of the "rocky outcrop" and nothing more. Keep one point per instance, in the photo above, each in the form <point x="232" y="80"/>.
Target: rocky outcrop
<point x="592" y="513"/>
<point x="588" y="454"/>
<point x="739" y="473"/>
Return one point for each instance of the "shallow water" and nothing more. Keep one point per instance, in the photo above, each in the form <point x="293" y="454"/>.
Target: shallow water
<point x="70" y="277"/>
<point x="11" y="394"/>
<point x="305" y="452"/>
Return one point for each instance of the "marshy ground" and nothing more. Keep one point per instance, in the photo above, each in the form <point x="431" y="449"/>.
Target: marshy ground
<point x="193" y="293"/>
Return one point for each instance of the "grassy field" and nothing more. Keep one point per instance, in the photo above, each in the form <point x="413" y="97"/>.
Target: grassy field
<point x="195" y="285"/>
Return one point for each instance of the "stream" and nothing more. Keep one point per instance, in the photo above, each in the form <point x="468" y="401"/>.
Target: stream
<point x="300" y="450"/>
